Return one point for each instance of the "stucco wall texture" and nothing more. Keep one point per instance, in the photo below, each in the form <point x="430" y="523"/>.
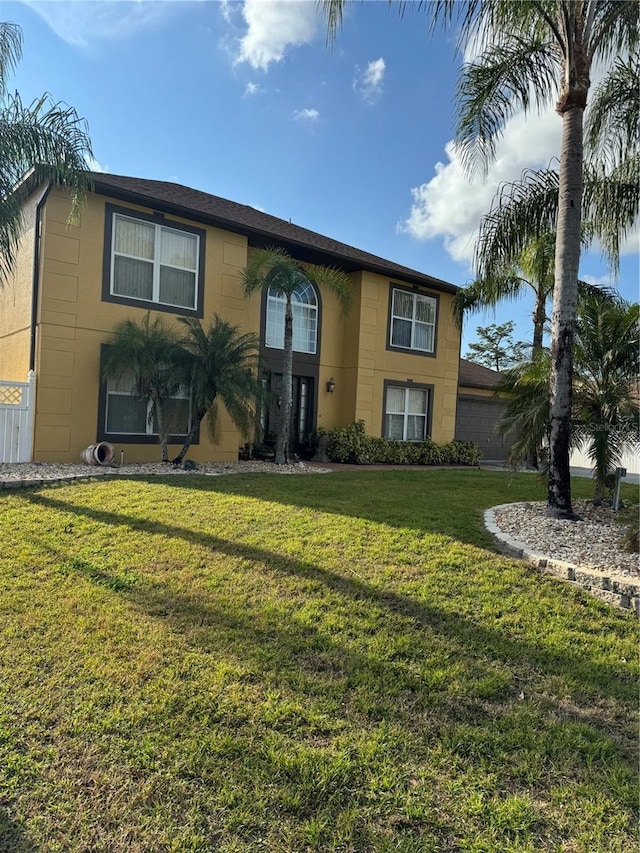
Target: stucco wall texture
<point x="73" y="322"/>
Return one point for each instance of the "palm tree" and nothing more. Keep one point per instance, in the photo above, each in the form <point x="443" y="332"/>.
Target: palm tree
<point x="605" y="388"/>
<point x="533" y="269"/>
<point x="148" y="354"/>
<point x="531" y="53"/>
<point x="273" y="269"/>
<point x="44" y="137"/>
<point x="218" y="364"/>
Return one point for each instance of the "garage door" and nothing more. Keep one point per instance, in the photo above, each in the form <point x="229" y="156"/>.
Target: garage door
<point x="476" y="420"/>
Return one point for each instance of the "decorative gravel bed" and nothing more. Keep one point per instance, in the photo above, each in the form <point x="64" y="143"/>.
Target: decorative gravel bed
<point x="593" y="543"/>
<point x="30" y="472"/>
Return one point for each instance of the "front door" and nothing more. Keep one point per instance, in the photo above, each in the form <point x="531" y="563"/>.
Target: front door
<point x="301" y="424"/>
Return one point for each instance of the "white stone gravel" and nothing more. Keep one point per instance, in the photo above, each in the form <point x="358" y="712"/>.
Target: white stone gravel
<point x="595" y="542"/>
<point x="30" y="472"/>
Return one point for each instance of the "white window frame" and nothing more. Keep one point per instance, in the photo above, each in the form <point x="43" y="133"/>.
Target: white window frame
<point x="281" y="300"/>
<point x="158" y="231"/>
<point x="405" y="413"/>
<point x="413" y="320"/>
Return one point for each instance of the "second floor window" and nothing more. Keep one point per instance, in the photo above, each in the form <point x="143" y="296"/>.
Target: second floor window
<point x="154" y="263"/>
<point x="413" y="321"/>
<point x="304" y="306"/>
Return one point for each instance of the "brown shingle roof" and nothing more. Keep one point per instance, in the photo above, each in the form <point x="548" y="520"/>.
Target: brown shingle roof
<point x="474" y="375"/>
<point x="260" y="228"/>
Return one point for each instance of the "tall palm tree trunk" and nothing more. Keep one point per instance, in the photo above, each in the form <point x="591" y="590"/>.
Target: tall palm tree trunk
<point x="567" y="259"/>
<point x="282" y="440"/>
<point x="539" y="317"/>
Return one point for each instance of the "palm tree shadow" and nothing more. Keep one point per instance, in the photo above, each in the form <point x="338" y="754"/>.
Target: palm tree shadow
<point x="312" y="664"/>
<point x="467" y="636"/>
<point x="454" y="496"/>
<point x="13" y="838"/>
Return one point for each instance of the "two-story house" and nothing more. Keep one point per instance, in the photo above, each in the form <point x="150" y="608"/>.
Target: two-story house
<point x="143" y="245"/>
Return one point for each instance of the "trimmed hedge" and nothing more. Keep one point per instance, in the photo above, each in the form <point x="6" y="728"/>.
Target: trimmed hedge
<point x="352" y="444"/>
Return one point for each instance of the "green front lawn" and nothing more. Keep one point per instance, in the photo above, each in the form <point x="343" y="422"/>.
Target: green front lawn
<point x="286" y="664"/>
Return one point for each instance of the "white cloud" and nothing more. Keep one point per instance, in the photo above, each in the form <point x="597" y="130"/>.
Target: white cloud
<point x="451" y="206"/>
<point x="370" y="82"/>
<point x="598" y="280"/>
<point x="227" y="8"/>
<point x="306" y="115"/>
<point x="252" y="89"/>
<point x="272" y="27"/>
<point x="80" y="23"/>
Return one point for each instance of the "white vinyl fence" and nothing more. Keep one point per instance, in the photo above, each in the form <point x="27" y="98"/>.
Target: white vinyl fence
<point x="17" y="410"/>
<point x="630" y="460"/>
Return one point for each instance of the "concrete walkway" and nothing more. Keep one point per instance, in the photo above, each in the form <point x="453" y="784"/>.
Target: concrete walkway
<point x="500" y="465"/>
<point x="485" y="465"/>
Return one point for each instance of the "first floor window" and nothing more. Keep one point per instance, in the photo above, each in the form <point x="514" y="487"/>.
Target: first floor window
<point x="406" y="413"/>
<point x="127" y="414"/>
<point x="413" y="321"/>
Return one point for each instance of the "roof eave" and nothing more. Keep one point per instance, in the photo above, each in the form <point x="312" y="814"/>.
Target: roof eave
<point x="350" y="264"/>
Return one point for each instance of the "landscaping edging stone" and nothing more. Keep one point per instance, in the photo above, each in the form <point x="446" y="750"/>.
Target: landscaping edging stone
<point x="613" y="588"/>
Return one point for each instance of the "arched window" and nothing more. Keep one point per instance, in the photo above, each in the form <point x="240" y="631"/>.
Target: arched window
<point x="304" y="305"/>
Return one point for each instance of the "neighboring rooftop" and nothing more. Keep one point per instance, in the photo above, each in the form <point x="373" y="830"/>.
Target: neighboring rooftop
<point x="474" y="375"/>
<point x="260" y="228"/>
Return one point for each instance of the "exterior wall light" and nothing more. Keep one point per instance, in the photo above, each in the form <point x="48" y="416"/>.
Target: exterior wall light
<point x="331" y="385"/>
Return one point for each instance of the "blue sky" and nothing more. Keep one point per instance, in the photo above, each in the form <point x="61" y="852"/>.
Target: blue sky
<point x="245" y="100"/>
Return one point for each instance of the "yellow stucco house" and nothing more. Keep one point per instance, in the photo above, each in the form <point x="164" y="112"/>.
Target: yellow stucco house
<point x="144" y="245"/>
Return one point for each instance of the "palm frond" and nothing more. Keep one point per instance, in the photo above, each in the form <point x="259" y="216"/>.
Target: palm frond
<point x="611" y="204"/>
<point x="45" y="135"/>
<point x="483" y="294"/>
<point x="612" y="126"/>
<point x="10" y="52"/>
<point x="220" y="363"/>
<point x="273" y="267"/>
<point x="521" y="211"/>
<point x="615" y="30"/>
<point x="50" y="139"/>
<point x="507" y="77"/>
<point x="335" y="280"/>
<point x="526" y="418"/>
<point x="147" y="351"/>
<point x="10" y="226"/>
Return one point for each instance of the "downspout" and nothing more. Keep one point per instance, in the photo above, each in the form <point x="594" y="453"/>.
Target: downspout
<point x="35" y="289"/>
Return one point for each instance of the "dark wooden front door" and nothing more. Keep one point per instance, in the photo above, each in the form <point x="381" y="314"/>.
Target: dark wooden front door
<point x="301" y="424"/>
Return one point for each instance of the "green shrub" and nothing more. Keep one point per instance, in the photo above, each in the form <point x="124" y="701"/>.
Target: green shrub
<point x="348" y="444"/>
<point x="352" y="445"/>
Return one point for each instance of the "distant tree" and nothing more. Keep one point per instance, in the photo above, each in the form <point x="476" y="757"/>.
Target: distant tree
<point x="274" y="269"/>
<point x="217" y="364"/>
<point x="146" y="352"/>
<point x="496" y="348"/>
<point x="46" y="137"/>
